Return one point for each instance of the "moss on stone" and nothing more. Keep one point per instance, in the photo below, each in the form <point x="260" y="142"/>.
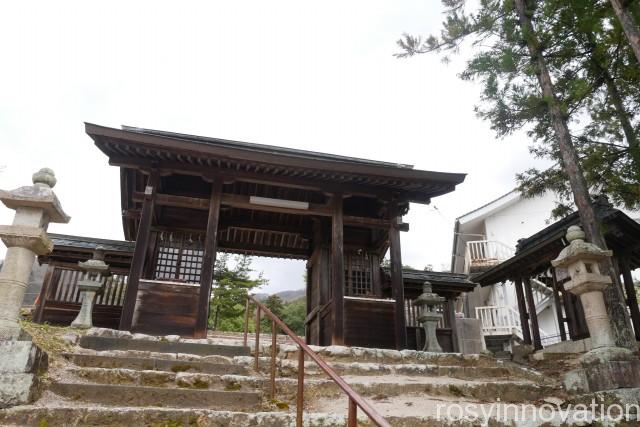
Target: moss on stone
<point x="181" y="368"/>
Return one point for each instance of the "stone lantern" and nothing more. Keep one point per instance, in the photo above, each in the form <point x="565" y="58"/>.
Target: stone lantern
<point x="427" y="303"/>
<point x="36" y="206"/>
<point x="20" y="360"/>
<point x="95" y="270"/>
<point x="606" y="366"/>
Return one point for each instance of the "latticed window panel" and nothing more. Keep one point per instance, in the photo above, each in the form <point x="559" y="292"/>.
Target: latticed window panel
<point x="358" y="274"/>
<point x="179" y="257"/>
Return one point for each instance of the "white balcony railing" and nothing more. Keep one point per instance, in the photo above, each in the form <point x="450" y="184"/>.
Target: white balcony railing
<point x="499" y="320"/>
<point x="485" y="253"/>
<point x="503" y="320"/>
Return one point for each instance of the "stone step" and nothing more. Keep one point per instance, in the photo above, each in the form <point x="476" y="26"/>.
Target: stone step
<point x="156" y="364"/>
<point x="149" y="378"/>
<point x="371" y="385"/>
<point x="386" y="356"/>
<point x="426" y="387"/>
<point x="91" y="416"/>
<point x="289" y="368"/>
<point x="133" y="395"/>
<point x="100" y="343"/>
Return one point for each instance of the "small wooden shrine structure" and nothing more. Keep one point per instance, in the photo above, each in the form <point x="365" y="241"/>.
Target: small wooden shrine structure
<point x="533" y="259"/>
<point x="184" y="198"/>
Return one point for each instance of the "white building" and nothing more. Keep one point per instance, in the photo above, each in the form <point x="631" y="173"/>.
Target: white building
<point x="487" y="236"/>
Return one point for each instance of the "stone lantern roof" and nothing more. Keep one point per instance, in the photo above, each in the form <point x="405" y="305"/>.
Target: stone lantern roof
<point x="578" y="249"/>
<point x="39" y="195"/>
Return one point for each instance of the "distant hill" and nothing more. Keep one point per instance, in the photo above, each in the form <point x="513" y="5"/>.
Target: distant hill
<point x="286" y="296"/>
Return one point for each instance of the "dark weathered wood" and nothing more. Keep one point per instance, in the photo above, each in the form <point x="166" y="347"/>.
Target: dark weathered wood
<point x="165" y="306"/>
<point x="240" y="201"/>
<point x="376" y="277"/>
<point x="450" y="307"/>
<point x="522" y="309"/>
<point x="397" y="283"/>
<point x="632" y="300"/>
<point x="533" y="316"/>
<point x="558" y="305"/>
<point x="369" y="323"/>
<point x="139" y="254"/>
<point x="569" y="311"/>
<point x="208" y="261"/>
<point x="42" y="297"/>
<point x="337" y="271"/>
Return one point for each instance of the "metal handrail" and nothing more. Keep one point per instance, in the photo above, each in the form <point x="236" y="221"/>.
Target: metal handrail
<point x="355" y="400"/>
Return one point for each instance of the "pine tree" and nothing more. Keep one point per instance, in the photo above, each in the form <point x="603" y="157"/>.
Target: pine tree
<point x="230" y="289"/>
<point x="517" y="46"/>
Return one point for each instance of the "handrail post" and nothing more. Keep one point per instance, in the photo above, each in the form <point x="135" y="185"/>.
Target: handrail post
<point x="274" y="334"/>
<point x="352" y="417"/>
<point x="300" y="396"/>
<point x="257" y="349"/>
<point x="246" y="322"/>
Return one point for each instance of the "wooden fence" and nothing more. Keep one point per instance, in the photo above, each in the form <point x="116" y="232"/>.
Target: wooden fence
<point x="59" y="300"/>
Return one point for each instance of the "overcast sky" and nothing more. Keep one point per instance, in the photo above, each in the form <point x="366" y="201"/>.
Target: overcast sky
<point x="309" y="75"/>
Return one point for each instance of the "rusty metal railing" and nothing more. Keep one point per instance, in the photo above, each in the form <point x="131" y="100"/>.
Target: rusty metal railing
<point x="355" y="400"/>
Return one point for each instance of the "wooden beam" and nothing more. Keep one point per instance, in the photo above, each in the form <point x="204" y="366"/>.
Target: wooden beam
<point x="139" y="254"/>
<point x="337" y="270"/>
<point x="273" y="251"/>
<point x="260" y="178"/>
<point x="397" y="282"/>
<point x="533" y="316"/>
<point x="208" y="261"/>
<point x="632" y="300"/>
<point x="522" y="309"/>
<point x="241" y="201"/>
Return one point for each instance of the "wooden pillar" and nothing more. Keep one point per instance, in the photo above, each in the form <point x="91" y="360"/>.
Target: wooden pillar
<point x="557" y="303"/>
<point x="569" y="311"/>
<point x="522" y="309"/>
<point x="149" y="264"/>
<point x="139" y="254"/>
<point x="632" y="300"/>
<point x="450" y="307"/>
<point x="533" y="316"/>
<point x="44" y="293"/>
<point x="337" y="271"/>
<point x="376" y="277"/>
<point x="208" y="260"/>
<point x="397" y="283"/>
<point x="308" y="303"/>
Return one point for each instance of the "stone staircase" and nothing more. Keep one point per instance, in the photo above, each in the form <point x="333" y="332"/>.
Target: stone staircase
<point x="117" y="379"/>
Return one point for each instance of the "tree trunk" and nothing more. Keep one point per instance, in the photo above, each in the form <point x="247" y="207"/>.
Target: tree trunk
<point x="618" y="104"/>
<point x="625" y="123"/>
<point x="630" y="27"/>
<point x="571" y="164"/>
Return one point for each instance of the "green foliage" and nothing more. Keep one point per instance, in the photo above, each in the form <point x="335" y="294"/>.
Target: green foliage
<point x="293" y="315"/>
<point x="230" y="289"/>
<point x="595" y="75"/>
<point x="275" y="304"/>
